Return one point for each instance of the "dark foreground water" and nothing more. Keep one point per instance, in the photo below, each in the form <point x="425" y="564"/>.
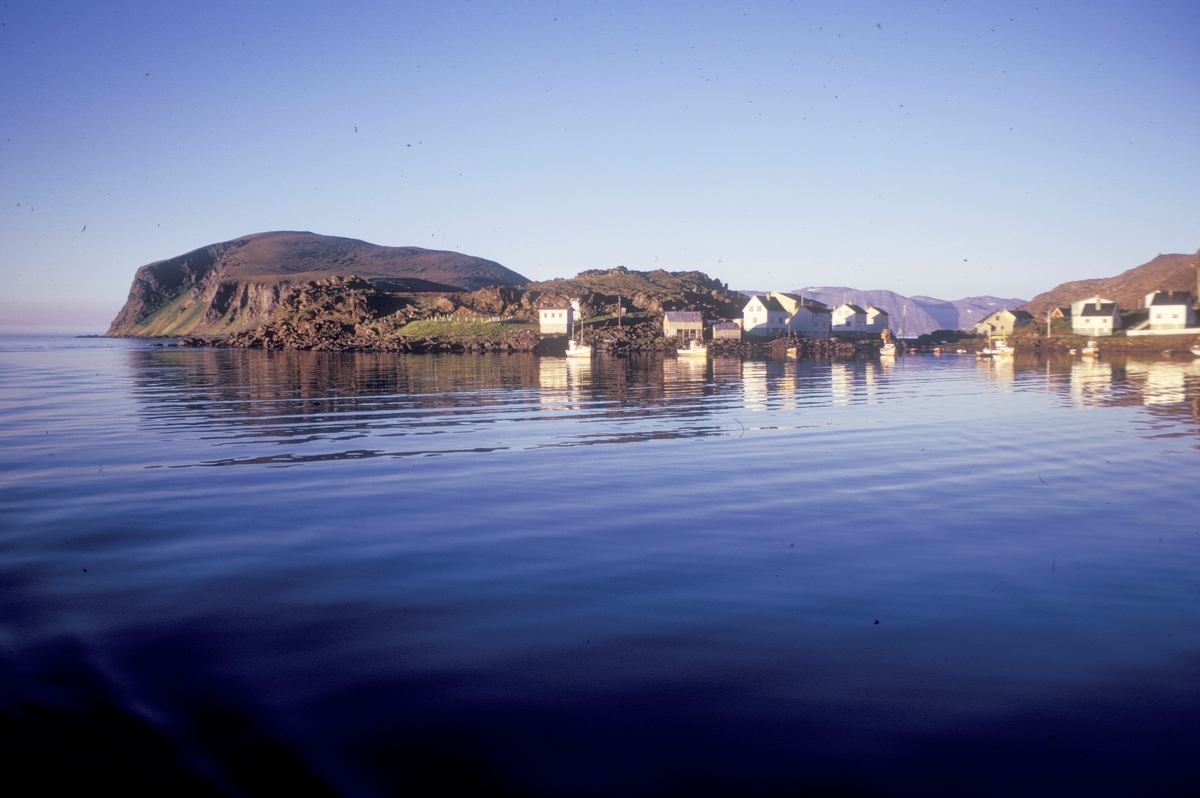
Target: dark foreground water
<point x="302" y="573"/>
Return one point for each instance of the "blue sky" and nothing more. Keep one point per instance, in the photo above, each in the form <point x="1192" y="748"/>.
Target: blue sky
<point x="936" y="148"/>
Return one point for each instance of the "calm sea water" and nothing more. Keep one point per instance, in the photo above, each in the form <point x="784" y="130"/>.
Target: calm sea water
<point x="254" y="573"/>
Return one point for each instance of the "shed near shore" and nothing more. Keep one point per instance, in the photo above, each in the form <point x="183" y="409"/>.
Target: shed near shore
<point x="726" y="330"/>
<point x="687" y="325"/>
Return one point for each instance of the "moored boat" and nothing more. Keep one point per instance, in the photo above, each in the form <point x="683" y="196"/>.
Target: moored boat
<point x="576" y="349"/>
<point x="997" y="347"/>
<point x="694" y="349"/>
<point x="1091" y="350"/>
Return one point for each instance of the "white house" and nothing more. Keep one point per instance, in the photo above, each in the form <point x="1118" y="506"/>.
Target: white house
<point x="556" y="320"/>
<point x="848" y="318"/>
<point x="1170" y="310"/>
<point x="807" y="318"/>
<point x="878" y="320"/>
<point x="1095" y="317"/>
<point x="763" y="315"/>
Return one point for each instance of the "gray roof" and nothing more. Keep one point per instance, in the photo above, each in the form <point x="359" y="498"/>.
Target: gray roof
<point x="1171" y="298"/>
<point x="726" y="325"/>
<point x="771" y="303"/>
<point x="805" y="301"/>
<point x="853" y="307"/>
<point x="1023" y="315"/>
<point x="684" y="316"/>
<point x="1105" y="309"/>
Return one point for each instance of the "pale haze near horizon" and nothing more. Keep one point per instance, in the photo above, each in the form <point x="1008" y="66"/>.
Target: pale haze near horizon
<point x="923" y="148"/>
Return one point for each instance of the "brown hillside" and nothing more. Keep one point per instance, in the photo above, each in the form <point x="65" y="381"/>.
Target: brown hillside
<point x="237" y="284"/>
<point x="1129" y="289"/>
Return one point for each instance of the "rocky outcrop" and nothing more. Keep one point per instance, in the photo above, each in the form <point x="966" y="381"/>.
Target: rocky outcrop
<point x="347" y="314"/>
<point x="237" y="285"/>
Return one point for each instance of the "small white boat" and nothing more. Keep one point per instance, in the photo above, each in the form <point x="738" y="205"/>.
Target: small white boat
<point x="1196" y="350"/>
<point x="576" y="349"/>
<point x="694" y="349"/>
<point x="1091" y="350"/>
<point x="888" y="350"/>
<point x="793" y="352"/>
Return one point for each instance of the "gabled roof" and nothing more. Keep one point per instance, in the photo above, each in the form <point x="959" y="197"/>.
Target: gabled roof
<point x="726" y="325"/>
<point x="684" y="316"/>
<point x="771" y="303"/>
<point x="815" y="307"/>
<point x="1105" y="309"/>
<point x="873" y="309"/>
<point x="851" y="306"/>
<point x="799" y="299"/>
<point x="1021" y="315"/>
<point x="1170" y="298"/>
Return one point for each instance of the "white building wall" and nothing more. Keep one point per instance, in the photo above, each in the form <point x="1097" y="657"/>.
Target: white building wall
<point x="552" y="321"/>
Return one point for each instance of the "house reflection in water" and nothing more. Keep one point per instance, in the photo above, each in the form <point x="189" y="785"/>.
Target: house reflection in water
<point x="727" y="369"/>
<point x="562" y="380"/>
<point x="1091" y="382"/>
<point x="754" y="385"/>
<point x="998" y="369"/>
<point x="1162" y="382"/>
<point x="841" y="383"/>
<point x="685" y="372"/>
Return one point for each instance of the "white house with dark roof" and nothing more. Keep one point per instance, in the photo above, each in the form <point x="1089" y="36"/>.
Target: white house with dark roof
<point x="807" y="318"/>
<point x="1095" y="317"/>
<point x="765" y="316"/>
<point x="1170" y="310"/>
<point x="878" y="320"/>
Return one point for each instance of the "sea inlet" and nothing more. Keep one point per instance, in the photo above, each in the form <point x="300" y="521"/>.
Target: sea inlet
<point x="257" y="573"/>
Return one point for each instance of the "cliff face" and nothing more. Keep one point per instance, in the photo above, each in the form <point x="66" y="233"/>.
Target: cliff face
<point x="1128" y="289"/>
<point x="237" y="285"/>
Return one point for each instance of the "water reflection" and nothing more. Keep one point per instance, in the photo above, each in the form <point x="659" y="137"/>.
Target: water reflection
<point x="337" y="405"/>
<point x="1163" y="382"/>
<point x="1091" y="382"/>
<point x="892" y="577"/>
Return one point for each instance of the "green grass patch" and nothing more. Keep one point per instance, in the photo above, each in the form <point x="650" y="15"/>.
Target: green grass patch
<point x="428" y="328"/>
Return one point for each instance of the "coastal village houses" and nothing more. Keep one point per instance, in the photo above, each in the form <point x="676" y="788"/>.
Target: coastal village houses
<point x="1003" y="322"/>
<point x="1095" y="317"/>
<point x="807" y="318"/>
<point x="686" y="325"/>
<point x="775" y="314"/>
<point x="556" y="320"/>
<point x="853" y="321"/>
<point x="1170" y="310"/>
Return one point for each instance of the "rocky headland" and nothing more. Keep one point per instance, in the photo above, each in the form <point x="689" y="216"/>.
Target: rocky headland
<point x="238" y="285"/>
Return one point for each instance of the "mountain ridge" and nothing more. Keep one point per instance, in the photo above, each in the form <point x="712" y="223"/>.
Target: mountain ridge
<point x="1170" y="272"/>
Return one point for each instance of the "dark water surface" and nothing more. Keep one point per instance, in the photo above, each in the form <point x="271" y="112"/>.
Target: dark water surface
<point x="259" y="573"/>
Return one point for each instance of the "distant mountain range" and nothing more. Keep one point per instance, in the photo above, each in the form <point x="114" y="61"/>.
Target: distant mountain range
<point x="916" y="315"/>
<point x="1128" y="289"/>
<point x="236" y="285"/>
